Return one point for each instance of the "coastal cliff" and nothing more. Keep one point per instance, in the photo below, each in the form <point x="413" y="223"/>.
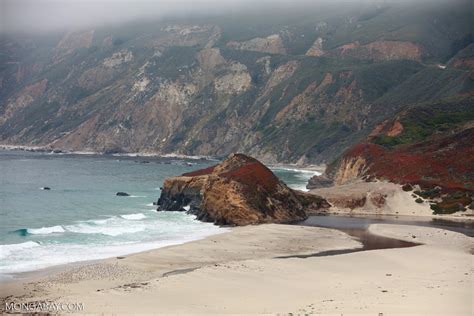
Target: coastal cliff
<point x="426" y="148"/>
<point x="239" y="191"/>
<point x="288" y="87"/>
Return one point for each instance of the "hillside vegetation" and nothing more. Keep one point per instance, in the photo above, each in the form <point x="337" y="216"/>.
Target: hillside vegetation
<point x="428" y="145"/>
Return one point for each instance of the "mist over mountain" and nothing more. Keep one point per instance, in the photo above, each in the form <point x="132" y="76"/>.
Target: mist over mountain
<point x="284" y="81"/>
<point x="60" y="15"/>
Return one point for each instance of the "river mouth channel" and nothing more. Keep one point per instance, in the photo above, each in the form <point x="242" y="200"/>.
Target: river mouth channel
<point x="357" y="227"/>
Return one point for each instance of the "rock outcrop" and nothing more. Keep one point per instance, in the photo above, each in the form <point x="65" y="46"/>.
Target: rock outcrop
<point x="322" y="181"/>
<point x="272" y="44"/>
<point x="239" y="191"/>
<point x="316" y="49"/>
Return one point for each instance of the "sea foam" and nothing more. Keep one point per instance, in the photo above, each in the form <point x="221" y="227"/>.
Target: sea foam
<point x="165" y="229"/>
<point x="45" y="230"/>
<point x="109" y="228"/>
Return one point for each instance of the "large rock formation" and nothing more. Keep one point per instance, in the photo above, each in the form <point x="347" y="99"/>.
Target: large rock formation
<point x="239" y="191"/>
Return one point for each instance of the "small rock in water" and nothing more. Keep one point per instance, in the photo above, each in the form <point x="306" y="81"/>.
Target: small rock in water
<point x="45" y="188"/>
<point x="141" y="161"/>
<point x="122" y="194"/>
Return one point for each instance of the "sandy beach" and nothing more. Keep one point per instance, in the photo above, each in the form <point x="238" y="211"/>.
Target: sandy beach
<point x="238" y="273"/>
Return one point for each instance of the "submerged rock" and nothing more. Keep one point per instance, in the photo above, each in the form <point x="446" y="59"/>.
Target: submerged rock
<point x="239" y="191"/>
<point x="122" y="194"/>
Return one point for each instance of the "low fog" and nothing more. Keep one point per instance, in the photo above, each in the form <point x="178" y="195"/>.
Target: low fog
<point x="50" y="15"/>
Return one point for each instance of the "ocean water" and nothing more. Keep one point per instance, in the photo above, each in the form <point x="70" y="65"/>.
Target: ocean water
<point x="81" y="218"/>
<point x="295" y="178"/>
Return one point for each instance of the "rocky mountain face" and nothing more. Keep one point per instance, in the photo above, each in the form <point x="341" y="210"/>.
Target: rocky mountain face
<point x="427" y="147"/>
<point x="281" y="86"/>
<point x="239" y="191"/>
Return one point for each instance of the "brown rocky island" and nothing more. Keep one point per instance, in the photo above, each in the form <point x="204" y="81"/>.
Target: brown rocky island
<point x="239" y="191"/>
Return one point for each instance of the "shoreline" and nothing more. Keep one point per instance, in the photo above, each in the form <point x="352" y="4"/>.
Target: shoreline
<point x="47" y="149"/>
<point x="223" y="267"/>
<point x="310" y="168"/>
<point x="233" y="234"/>
<point x="422" y="217"/>
<point x="46" y="271"/>
<point x="29" y="276"/>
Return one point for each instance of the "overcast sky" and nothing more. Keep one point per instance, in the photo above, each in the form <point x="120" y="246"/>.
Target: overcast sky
<point x="46" y="15"/>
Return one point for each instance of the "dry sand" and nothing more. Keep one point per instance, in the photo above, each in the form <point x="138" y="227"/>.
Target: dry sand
<point x="378" y="198"/>
<point x="237" y="273"/>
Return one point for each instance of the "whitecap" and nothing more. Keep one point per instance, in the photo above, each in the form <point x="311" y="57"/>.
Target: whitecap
<point x="45" y="230"/>
<point x="308" y="171"/>
<point x="135" y="216"/>
<point x="112" y="227"/>
<point x="98" y="221"/>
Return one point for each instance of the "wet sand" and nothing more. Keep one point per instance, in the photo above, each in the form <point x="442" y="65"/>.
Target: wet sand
<point x="240" y="273"/>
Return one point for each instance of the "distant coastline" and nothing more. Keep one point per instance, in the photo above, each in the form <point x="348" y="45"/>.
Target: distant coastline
<point x="52" y="150"/>
<point x="310" y="168"/>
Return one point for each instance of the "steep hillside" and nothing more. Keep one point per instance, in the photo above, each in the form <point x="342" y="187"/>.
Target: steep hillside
<point x="428" y="145"/>
<point x="293" y="86"/>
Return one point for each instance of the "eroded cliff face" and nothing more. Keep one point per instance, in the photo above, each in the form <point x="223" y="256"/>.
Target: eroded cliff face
<point x="350" y="169"/>
<point x="272" y="44"/>
<point x="239" y="191"/>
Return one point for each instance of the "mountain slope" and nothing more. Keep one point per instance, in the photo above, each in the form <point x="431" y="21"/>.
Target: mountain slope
<point x="296" y="86"/>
